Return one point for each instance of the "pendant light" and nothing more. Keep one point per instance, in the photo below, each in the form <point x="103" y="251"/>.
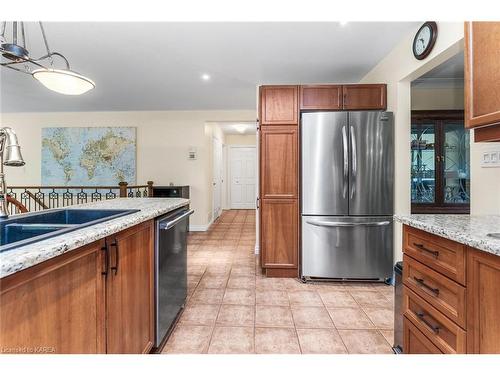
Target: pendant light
<point x="15" y="56"/>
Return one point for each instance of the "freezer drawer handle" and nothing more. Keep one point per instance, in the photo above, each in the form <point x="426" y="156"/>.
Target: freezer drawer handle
<point x="170" y="224"/>
<point x="342" y="224"/>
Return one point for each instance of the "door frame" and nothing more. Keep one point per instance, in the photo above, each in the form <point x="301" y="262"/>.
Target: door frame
<point x="229" y="177"/>
<point x="215" y="215"/>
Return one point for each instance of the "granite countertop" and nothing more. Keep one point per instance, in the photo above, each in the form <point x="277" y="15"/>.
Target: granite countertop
<point x="12" y="261"/>
<point x="466" y="229"/>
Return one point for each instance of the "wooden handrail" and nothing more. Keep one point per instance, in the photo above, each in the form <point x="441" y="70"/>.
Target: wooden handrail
<point x="17" y="204"/>
<point x="76" y="187"/>
<point x="33" y="196"/>
<point x="45" y="197"/>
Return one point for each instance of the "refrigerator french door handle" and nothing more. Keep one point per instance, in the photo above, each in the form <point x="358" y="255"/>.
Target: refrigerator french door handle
<point x="343" y="224"/>
<point x="354" y="161"/>
<point x="346" y="161"/>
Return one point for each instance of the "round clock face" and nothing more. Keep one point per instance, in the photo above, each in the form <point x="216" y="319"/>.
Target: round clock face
<point x="424" y="40"/>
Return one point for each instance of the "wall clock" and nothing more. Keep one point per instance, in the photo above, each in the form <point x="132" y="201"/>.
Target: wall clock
<point x="424" y="40"/>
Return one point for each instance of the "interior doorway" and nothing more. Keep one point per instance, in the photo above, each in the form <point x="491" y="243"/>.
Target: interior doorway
<point x="440" y="144"/>
<point x="242" y="163"/>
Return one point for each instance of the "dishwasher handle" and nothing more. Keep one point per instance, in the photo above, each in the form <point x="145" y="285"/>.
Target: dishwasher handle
<point x="171" y="223"/>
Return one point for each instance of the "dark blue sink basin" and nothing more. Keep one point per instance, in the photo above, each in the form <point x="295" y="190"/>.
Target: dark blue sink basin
<point x="29" y="228"/>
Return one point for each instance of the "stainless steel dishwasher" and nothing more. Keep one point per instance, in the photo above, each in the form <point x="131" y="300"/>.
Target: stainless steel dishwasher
<point x="170" y="269"/>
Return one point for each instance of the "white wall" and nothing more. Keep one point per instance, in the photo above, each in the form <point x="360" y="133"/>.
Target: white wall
<point x="243" y="140"/>
<point x="163" y="141"/>
<point x="437" y="98"/>
<point x="397" y="70"/>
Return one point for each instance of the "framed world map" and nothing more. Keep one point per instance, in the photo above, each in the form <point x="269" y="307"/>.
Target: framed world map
<point x="88" y="156"/>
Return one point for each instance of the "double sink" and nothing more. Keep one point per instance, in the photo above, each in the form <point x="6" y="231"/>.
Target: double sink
<point x="25" y="229"/>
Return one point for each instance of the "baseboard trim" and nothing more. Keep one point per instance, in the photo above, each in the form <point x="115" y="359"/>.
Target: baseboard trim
<point x="200" y="228"/>
<point x="257" y="249"/>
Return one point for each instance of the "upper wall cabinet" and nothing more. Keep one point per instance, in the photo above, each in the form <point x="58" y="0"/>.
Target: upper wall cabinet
<point x="279" y="105"/>
<point x="482" y="79"/>
<point x="364" y="97"/>
<point x="321" y="97"/>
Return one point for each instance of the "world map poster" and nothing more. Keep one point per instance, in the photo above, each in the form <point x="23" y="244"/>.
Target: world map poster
<point x="88" y="156"/>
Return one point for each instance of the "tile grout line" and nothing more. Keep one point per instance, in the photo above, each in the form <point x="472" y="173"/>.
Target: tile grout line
<point x="241" y="257"/>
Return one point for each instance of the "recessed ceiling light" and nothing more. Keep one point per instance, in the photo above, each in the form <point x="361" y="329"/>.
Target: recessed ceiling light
<point x="343" y="23"/>
<point x="205" y="77"/>
<point x="240" y="128"/>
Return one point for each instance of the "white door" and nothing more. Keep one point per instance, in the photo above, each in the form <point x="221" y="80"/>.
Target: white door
<point x="242" y="173"/>
<point x="217" y="177"/>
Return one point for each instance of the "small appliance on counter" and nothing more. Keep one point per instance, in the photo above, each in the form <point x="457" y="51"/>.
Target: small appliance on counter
<point x="171" y="191"/>
<point x="170" y="270"/>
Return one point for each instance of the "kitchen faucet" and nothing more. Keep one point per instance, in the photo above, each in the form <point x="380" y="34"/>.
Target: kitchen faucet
<point x="13" y="158"/>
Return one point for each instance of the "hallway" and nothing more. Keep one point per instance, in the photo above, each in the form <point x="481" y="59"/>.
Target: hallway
<point x="232" y="308"/>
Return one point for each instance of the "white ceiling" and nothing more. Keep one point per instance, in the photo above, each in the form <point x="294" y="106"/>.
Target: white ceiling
<point x="157" y="66"/>
<point x="448" y="74"/>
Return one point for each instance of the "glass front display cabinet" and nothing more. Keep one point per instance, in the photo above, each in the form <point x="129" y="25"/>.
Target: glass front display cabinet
<point x="440" y="162"/>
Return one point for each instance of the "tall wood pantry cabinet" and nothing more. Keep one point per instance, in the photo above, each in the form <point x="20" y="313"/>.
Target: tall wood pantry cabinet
<point x="279" y="180"/>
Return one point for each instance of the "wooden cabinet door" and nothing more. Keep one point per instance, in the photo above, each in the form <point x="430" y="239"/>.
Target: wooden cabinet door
<point x="279" y="162"/>
<point x="279" y="233"/>
<point x="56" y="306"/>
<point x="323" y="97"/>
<point x="278" y="105"/>
<point x="483" y="302"/>
<point x="482" y="75"/>
<point x="364" y="97"/>
<point x="130" y="290"/>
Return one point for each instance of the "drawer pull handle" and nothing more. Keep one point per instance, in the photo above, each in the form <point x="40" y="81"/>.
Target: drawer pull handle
<point x="434" y="329"/>
<point x="422" y="283"/>
<point x="423" y="248"/>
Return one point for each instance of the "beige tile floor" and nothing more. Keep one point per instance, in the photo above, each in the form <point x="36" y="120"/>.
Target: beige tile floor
<point x="233" y="308"/>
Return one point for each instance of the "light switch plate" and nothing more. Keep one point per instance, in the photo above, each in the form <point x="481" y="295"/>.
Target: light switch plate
<point x="491" y="157"/>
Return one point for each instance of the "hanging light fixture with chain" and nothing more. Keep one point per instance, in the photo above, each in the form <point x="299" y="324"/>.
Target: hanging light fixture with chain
<point x="16" y="56"/>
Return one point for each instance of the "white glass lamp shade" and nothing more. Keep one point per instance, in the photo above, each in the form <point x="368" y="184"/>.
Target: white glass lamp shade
<point x="63" y="81"/>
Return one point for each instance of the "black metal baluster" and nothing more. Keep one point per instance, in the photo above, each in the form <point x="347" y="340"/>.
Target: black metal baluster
<point x="53" y="199"/>
<point x="111" y="194"/>
<point x="96" y="196"/>
<point x="40" y="199"/>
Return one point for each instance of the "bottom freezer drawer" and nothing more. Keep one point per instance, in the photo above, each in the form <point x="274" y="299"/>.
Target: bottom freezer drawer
<point x="347" y="248"/>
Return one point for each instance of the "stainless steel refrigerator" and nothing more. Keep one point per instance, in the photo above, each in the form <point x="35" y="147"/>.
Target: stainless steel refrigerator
<point x="347" y="168"/>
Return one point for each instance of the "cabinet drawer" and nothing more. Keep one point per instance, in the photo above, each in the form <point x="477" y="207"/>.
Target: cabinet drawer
<point x="444" y="294"/>
<point x="442" y="255"/>
<point x="415" y="342"/>
<point x="443" y="333"/>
